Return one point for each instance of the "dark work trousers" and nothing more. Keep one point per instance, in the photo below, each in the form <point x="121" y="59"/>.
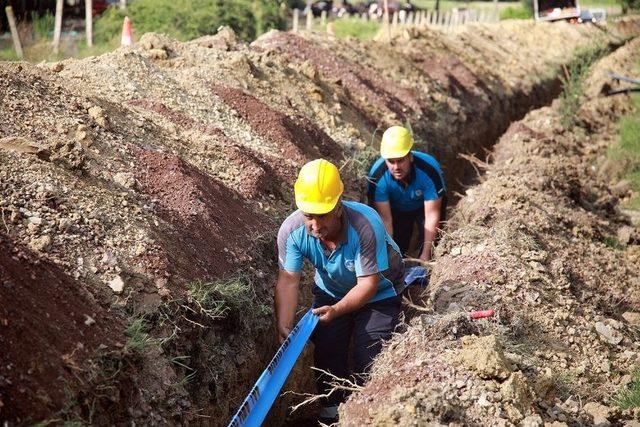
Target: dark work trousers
<point x="405" y="221"/>
<point x="366" y="328"/>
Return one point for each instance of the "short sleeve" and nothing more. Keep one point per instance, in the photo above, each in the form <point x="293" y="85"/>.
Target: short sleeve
<point x="428" y="189"/>
<point x="382" y="191"/>
<point x="372" y="256"/>
<point x="289" y="255"/>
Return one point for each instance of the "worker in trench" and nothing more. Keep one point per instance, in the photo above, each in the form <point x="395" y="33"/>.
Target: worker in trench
<point x="359" y="274"/>
<point x="408" y="190"/>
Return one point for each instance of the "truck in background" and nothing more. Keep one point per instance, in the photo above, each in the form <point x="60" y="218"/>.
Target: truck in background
<point x="556" y="10"/>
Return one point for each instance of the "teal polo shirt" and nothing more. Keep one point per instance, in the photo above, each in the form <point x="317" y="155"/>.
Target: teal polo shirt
<point x="365" y="248"/>
<point x="425" y="183"/>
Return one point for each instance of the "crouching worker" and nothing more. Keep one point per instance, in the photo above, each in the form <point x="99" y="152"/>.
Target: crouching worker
<point x="358" y="269"/>
<point x="407" y="188"/>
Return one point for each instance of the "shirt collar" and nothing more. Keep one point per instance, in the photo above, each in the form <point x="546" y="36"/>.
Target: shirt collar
<point x="412" y="177"/>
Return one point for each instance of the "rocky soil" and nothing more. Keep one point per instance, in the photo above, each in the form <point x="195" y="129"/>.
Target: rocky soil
<point x="129" y="181"/>
<point x="542" y="241"/>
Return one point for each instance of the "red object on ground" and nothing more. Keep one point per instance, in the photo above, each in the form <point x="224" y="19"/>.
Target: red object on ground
<point x="481" y="314"/>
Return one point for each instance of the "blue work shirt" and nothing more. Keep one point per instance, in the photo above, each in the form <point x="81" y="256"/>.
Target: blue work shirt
<point x="364" y="249"/>
<point x="425" y="183"/>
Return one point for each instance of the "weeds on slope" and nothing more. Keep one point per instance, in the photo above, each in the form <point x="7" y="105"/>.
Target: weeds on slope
<point x="572" y="80"/>
<point x="626" y="154"/>
<point x="630" y="397"/>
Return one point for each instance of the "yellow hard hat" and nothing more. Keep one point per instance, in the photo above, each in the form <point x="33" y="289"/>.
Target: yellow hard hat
<point x="396" y="142"/>
<point x="318" y="187"/>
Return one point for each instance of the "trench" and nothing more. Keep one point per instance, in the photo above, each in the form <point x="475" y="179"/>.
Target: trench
<point x="460" y="175"/>
<point x="229" y="354"/>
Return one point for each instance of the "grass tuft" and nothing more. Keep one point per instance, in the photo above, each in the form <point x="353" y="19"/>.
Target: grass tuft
<point x="630" y="396"/>
<point x="574" y="76"/>
<point x="138" y="336"/>
<point x="216" y="299"/>
<point x="625" y="155"/>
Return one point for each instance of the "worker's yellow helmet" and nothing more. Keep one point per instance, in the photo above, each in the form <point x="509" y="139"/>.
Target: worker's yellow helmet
<point x="396" y="142"/>
<point x="318" y="187"/>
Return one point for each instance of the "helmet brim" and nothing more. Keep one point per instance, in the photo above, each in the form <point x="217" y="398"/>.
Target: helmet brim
<point x="316" y="208"/>
<point x="391" y="154"/>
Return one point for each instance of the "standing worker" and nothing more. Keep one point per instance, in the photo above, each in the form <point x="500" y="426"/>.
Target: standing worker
<point x="358" y="269"/>
<point x="407" y="189"/>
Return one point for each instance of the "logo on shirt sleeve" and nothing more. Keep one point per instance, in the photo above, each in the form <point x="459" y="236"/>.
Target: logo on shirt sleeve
<point x="350" y="265"/>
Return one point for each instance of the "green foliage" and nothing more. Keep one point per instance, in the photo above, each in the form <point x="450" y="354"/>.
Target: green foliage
<point x="612" y="242"/>
<point x="527" y="5"/>
<point x="189" y="19"/>
<point x="629" y="5"/>
<point x="355" y="27"/>
<point x="630" y="396"/>
<point x="626" y="154"/>
<point x="572" y="80"/>
<point x="8" y="54"/>
<point x="42" y="24"/>
<point x="515" y="12"/>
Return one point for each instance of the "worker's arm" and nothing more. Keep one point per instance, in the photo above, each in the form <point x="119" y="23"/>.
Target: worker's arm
<point x="431" y="223"/>
<point x="384" y="209"/>
<point x="286" y="299"/>
<point x="359" y="295"/>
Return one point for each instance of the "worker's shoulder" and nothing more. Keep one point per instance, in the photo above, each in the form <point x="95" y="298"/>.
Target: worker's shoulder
<point x="293" y="222"/>
<point x="363" y="218"/>
<point x="423" y="160"/>
<point x="378" y="168"/>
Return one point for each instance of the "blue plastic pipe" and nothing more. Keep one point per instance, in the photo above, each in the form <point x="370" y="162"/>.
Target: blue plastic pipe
<point x="257" y="404"/>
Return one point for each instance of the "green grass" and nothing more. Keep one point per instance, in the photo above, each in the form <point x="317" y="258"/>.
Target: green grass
<point x="189" y="19"/>
<point x="8" y="54"/>
<point x="356" y="27"/>
<point x="138" y="338"/>
<point x="42" y="24"/>
<point x="626" y="154"/>
<point x="630" y="396"/>
<point x="572" y="80"/>
<point x="515" y="12"/>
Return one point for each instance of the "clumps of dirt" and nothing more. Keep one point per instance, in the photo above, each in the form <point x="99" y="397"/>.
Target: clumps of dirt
<point x="533" y="241"/>
<point x="296" y="136"/>
<point x="376" y="97"/>
<point x="485" y="356"/>
<point x="253" y="177"/>
<point x="50" y="328"/>
<point x="201" y="217"/>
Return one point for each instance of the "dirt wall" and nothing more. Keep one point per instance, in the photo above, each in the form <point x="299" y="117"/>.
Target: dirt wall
<point x="532" y="241"/>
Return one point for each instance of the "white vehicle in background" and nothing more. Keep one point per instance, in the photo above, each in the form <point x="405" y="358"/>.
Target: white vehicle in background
<point x="567" y="10"/>
<point x="556" y="10"/>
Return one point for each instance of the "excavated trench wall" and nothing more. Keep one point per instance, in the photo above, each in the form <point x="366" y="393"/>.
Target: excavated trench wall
<point x="142" y="174"/>
<point x="532" y="242"/>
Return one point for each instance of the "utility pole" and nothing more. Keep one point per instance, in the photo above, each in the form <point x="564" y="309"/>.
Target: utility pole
<point x="14" y="31"/>
<point x="88" y="17"/>
<point x="57" y="29"/>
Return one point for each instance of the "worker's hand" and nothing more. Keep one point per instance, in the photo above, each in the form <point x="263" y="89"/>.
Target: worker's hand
<point x="326" y="313"/>
<point x="283" y="332"/>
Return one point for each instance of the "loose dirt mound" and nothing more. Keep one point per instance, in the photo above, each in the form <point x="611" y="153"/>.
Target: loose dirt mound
<point x="144" y="174"/>
<point x="532" y="242"/>
<point x="50" y="328"/>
